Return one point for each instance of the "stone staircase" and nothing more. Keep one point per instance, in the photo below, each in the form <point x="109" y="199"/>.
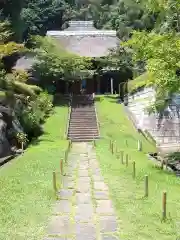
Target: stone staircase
<point x="83" y="125"/>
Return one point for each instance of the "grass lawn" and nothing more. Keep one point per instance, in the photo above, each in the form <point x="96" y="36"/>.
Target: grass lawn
<point x="26" y="193"/>
<point x="140" y="218"/>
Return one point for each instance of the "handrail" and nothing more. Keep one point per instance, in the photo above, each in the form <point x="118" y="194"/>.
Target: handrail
<point x="97" y="121"/>
<point x="69" y="116"/>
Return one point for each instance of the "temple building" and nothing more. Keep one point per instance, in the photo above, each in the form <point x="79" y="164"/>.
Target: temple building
<point x="83" y="39"/>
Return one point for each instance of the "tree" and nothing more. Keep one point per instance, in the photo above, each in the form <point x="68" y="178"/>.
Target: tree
<point x="54" y="63"/>
<point x="11" y="10"/>
<point x="161" y="53"/>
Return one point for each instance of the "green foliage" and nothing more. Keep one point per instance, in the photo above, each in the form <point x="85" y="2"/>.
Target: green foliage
<point x="168" y="14"/>
<point x="54" y="63"/>
<point x="11" y="10"/>
<point x="34" y="108"/>
<point x="41" y="15"/>
<point x="22" y="138"/>
<point x="123" y="16"/>
<point x="34" y="114"/>
<point x="7" y="47"/>
<point x="138" y="83"/>
<point x="161" y="54"/>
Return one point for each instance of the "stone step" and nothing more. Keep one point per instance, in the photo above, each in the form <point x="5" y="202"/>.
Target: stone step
<point x="83" y="136"/>
<point x="84" y="127"/>
<point x="83" y="119"/>
<point x="73" y="131"/>
<point x="87" y="121"/>
<point x="82" y="123"/>
<point x="83" y="116"/>
<point x="88" y="111"/>
<point x="83" y="112"/>
<point x="83" y="139"/>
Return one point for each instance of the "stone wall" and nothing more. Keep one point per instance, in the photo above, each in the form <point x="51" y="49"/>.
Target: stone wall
<point x="165" y="129"/>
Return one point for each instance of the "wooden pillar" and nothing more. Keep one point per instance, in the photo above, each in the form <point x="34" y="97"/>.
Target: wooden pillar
<point x="98" y="85"/>
<point x="67" y="87"/>
<point x="112" y="90"/>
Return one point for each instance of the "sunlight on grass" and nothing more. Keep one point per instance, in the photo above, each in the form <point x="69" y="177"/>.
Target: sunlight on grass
<point x="26" y="183"/>
<point x="140" y="218"/>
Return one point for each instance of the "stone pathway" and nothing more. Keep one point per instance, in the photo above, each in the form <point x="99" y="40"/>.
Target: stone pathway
<point x="83" y="210"/>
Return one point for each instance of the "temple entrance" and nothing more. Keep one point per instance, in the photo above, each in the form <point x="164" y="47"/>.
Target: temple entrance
<point x="82" y="86"/>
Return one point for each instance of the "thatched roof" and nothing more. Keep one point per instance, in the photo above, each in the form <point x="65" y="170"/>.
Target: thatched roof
<point x="83" y="39"/>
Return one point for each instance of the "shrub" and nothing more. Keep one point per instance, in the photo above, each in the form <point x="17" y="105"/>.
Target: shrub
<point x="34" y="113"/>
<point x="45" y="102"/>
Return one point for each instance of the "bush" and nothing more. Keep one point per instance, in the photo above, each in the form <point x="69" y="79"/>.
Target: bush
<point x="45" y="102"/>
<point x="138" y="83"/>
<point x="34" y="114"/>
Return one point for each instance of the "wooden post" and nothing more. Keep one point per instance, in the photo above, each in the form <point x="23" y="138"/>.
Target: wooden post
<point x="164" y="203"/>
<point x="112" y="90"/>
<point x="146" y="185"/>
<point x="112" y="147"/>
<point x="54" y="182"/>
<point x="134" y="170"/>
<point x="22" y="146"/>
<point x="69" y="146"/>
<point x="126" y="143"/>
<point x="127" y="159"/>
<point x="139" y="145"/>
<point x="122" y="156"/>
<point x="110" y="144"/>
<point x="66" y="155"/>
<point x="119" y="90"/>
<point x="61" y="166"/>
<point x="94" y="143"/>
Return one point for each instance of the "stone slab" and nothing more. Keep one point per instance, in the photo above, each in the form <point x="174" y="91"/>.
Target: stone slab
<point x="96" y="172"/>
<point x="97" y="178"/>
<point x="84" y="179"/>
<point x="108" y="224"/>
<point x="100" y="186"/>
<point x="109" y="237"/>
<point x="68" y="182"/>
<point x="101" y="195"/>
<point x="83" y="198"/>
<point x="65" y="193"/>
<point x="83" y="173"/>
<point x="83" y="187"/>
<point x="85" y="231"/>
<point x="62" y="206"/>
<point x="84" y="212"/>
<point x="104" y="207"/>
<point x="60" y="225"/>
<point x="58" y="238"/>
